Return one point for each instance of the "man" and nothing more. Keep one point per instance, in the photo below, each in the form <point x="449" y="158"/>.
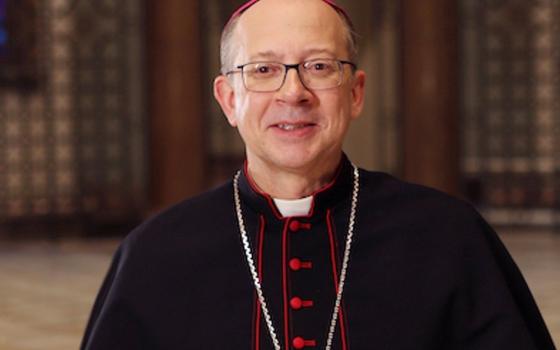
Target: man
<point x="301" y="250"/>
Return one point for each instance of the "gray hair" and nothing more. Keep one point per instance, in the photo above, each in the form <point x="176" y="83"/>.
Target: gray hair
<point x="227" y="46"/>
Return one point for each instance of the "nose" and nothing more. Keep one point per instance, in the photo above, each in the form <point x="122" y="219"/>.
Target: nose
<point x="293" y="91"/>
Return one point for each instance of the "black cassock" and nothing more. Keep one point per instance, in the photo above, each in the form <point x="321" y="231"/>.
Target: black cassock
<point x="425" y="272"/>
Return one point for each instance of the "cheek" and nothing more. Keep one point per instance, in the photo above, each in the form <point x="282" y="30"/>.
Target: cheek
<point x="241" y="105"/>
<point x="250" y="110"/>
<point x="338" y="110"/>
<point x="244" y="108"/>
<point x="345" y="108"/>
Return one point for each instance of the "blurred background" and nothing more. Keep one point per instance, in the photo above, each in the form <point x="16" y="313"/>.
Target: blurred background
<point x="107" y="116"/>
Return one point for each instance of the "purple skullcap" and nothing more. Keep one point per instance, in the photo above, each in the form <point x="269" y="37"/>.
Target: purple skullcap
<point x="250" y="3"/>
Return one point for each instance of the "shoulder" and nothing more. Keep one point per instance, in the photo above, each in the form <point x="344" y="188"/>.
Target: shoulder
<point x="378" y="186"/>
<point x="429" y="227"/>
<point x="192" y="221"/>
<point x="420" y="209"/>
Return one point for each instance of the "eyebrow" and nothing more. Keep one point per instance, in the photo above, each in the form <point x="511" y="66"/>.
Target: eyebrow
<point x="263" y="54"/>
<point x="275" y="56"/>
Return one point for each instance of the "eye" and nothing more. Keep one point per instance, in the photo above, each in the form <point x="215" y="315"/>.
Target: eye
<point x="321" y="67"/>
<point x="263" y="70"/>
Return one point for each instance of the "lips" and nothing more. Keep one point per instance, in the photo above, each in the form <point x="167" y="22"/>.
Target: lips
<point x="294" y="130"/>
<point x="293" y="126"/>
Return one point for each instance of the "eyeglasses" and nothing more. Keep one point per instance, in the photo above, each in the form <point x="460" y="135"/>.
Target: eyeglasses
<point x="318" y="74"/>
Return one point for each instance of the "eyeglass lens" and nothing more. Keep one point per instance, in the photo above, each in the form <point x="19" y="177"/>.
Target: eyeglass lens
<point x="270" y="76"/>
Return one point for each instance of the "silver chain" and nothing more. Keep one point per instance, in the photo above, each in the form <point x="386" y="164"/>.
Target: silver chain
<point x="252" y="268"/>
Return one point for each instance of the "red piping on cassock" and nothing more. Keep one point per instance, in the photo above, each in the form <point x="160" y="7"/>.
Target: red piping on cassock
<point x="335" y="279"/>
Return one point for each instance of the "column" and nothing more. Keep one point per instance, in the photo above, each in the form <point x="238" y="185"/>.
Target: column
<point x="430" y="112"/>
<point x="177" y="154"/>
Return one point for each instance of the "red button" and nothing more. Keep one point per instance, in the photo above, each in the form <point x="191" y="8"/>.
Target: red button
<point x="300" y="343"/>
<point x="296" y="264"/>
<point x="295" y="225"/>
<point x="297" y="303"/>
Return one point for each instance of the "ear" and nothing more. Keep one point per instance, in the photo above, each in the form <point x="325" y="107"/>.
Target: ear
<point x="225" y="95"/>
<point x="358" y="85"/>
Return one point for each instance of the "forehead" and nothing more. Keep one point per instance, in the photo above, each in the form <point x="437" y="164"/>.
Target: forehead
<point x="290" y="29"/>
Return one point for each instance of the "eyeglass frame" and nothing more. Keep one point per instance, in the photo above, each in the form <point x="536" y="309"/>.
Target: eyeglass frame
<point x="287" y="67"/>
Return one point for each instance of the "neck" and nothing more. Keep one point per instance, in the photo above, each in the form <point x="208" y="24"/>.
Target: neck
<point x="291" y="183"/>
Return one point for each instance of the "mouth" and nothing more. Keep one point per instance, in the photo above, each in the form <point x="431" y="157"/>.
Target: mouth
<point x="295" y="130"/>
<point x="293" y="126"/>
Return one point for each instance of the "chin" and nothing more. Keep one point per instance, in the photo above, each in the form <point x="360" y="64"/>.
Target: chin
<point x="293" y="160"/>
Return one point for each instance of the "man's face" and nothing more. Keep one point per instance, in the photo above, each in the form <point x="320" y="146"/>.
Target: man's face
<point x="293" y="128"/>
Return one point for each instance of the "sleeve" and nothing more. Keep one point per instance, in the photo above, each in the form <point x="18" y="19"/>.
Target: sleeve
<point x="494" y="309"/>
<point x="112" y="323"/>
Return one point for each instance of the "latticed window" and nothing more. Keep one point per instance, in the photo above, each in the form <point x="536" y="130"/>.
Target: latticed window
<point x="511" y="119"/>
<point x="72" y="116"/>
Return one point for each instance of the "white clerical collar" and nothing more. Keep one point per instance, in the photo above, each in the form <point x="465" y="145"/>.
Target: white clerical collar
<point x="294" y="207"/>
